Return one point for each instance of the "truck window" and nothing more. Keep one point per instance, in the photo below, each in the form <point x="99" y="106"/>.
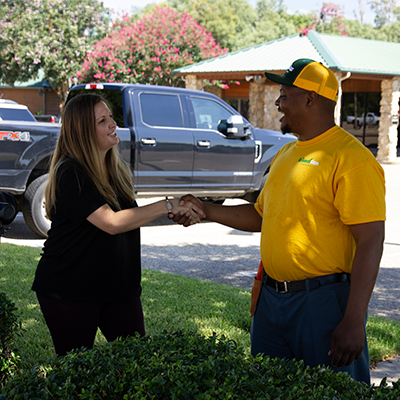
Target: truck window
<point x="208" y="113"/>
<point x="161" y="110"/>
<point x="9" y="114"/>
<point x="113" y="97"/>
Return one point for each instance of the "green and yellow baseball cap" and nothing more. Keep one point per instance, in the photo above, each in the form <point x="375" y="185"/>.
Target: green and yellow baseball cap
<point x="309" y="75"/>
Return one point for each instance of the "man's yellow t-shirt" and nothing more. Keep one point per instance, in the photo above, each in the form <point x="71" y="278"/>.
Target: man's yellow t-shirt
<point x="314" y="190"/>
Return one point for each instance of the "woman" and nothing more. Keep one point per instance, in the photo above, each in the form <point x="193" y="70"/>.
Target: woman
<point x="89" y="274"/>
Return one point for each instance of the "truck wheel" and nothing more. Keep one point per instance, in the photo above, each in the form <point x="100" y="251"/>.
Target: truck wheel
<point x="33" y="206"/>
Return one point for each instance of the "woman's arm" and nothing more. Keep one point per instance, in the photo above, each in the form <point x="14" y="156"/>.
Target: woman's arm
<point x="122" y="221"/>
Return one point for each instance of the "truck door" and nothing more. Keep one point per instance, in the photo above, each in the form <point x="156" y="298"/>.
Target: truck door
<point x="219" y="162"/>
<point x="164" y="143"/>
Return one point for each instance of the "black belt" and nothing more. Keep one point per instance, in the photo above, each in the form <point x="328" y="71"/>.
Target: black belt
<point x="313" y="283"/>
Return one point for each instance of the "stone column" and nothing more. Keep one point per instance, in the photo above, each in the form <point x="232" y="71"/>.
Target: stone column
<point x="389" y="107"/>
<point x="256" y="103"/>
<point x="191" y="82"/>
<point x="271" y="114"/>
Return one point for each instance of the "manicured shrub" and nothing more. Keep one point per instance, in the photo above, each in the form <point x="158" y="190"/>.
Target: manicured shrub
<point x="9" y="327"/>
<point x="183" y="366"/>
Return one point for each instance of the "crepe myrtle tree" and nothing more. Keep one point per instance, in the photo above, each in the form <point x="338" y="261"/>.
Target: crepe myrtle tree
<point x="52" y="36"/>
<point x="329" y="20"/>
<point x="146" y="50"/>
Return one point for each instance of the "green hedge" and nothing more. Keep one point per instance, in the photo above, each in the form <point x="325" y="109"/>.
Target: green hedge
<point x="183" y="366"/>
<point x="9" y="328"/>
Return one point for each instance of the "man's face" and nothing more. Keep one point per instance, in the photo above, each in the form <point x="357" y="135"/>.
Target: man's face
<point x="291" y="103"/>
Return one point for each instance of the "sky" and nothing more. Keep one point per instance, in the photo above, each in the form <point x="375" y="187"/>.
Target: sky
<point x="305" y="6"/>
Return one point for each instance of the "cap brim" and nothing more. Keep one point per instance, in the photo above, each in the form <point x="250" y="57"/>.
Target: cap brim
<point x="281" y="79"/>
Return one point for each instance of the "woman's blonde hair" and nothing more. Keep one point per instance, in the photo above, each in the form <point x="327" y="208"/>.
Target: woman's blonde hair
<point x="78" y="141"/>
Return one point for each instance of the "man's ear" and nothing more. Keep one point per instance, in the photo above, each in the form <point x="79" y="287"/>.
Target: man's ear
<point x="311" y="99"/>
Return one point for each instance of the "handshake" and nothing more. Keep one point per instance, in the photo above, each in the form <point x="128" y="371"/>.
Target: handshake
<point x="186" y="211"/>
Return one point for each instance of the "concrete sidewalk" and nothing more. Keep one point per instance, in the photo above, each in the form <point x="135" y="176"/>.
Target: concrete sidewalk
<point x="389" y="369"/>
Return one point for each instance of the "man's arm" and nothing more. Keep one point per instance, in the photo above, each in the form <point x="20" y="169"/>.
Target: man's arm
<point x="348" y="338"/>
<point x="243" y="217"/>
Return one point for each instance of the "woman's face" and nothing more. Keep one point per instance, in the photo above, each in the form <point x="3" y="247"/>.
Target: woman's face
<point x="105" y="128"/>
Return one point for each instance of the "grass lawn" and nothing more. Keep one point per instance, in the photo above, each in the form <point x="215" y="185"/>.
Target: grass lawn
<point x="170" y="302"/>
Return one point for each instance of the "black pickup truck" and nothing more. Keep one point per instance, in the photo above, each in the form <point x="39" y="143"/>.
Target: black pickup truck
<point x="177" y="141"/>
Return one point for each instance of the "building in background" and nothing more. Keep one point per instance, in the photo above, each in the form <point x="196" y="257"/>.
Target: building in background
<point x="36" y="94"/>
<point x="368" y="72"/>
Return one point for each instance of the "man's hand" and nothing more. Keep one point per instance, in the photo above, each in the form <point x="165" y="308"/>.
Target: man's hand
<point x="183" y="218"/>
<point x="243" y="217"/>
<point x="347" y="343"/>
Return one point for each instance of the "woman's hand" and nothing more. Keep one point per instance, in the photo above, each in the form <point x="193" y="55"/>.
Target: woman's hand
<point x="193" y="213"/>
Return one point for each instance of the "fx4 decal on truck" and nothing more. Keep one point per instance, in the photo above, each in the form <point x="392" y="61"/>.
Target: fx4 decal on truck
<point x="15" y="136"/>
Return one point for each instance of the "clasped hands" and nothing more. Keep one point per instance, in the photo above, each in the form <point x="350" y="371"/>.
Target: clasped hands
<point x="186" y="211"/>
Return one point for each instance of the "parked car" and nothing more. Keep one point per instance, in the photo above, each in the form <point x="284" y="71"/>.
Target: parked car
<point x="12" y="111"/>
<point x="177" y="141"/>
<point x="370" y="119"/>
<point x="47" y="118"/>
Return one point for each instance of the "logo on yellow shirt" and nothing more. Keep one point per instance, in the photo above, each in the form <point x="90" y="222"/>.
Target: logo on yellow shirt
<point x="310" y="161"/>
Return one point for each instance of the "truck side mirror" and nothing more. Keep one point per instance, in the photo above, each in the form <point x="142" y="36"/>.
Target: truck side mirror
<point x="234" y="127"/>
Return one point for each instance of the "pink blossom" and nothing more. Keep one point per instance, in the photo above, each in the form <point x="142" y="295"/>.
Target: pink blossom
<point x="151" y="46"/>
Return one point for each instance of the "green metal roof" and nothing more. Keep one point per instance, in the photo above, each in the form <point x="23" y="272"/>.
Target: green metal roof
<point x="38" y="83"/>
<point x="343" y="53"/>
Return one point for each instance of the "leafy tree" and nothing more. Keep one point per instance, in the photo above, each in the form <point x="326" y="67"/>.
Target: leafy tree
<point x="49" y="35"/>
<point x="273" y="22"/>
<point x="386" y="12"/>
<point x="242" y="28"/>
<point x="147" y="49"/>
<point x="264" y="6"/>
<point x="366" y="31"/>
<point x="391" y="32"/>
<point x="230" y="22"/>
<point x="330" y="19"/>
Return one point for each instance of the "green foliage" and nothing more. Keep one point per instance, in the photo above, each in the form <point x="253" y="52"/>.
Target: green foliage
<point x="263" y="6"/>
<point x="170" y="302"/>
<point x="383" y="337"/>
<point x="229" y="21"/>
<point x="18" y="265"/>
<point x="175" y="302"/>
<point x="272" y="25"/>
<point x="386" y="12"/>
<point x="391" y="32"/>
<point x="272" y="21"/>
<point x="9" y="328"/>
<point x="50" y="35"/>
<point x="55" y="37"/>
<point x="184" y="366"/>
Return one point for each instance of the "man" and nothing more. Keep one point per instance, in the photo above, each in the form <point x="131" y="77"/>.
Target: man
<point x="321" y="216"/>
